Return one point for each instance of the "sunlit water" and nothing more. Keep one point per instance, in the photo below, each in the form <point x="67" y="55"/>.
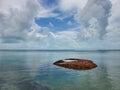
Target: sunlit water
<point x="20" y="70"/>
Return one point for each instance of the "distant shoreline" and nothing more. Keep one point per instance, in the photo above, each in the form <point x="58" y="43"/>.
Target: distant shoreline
<point x="44" y="50"/>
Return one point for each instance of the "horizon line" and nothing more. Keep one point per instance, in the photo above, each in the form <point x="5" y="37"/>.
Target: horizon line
<point x="59" y="50"/>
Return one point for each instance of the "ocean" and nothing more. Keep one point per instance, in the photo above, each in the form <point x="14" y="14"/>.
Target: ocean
<point x="34" y="70"/>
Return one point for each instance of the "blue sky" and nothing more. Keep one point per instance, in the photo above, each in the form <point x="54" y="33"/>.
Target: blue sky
<point x="55" y="24"/>
<point x="60" y="24"/>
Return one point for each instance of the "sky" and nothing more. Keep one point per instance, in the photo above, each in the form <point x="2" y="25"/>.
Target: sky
<point x="60" y="24"/>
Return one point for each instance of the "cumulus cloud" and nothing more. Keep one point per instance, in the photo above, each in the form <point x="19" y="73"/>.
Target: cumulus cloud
<point x="113" y="29"/>
<point x="95" y="9"/>
<point x="99" y="22"/>
<point x="16" y="17"/>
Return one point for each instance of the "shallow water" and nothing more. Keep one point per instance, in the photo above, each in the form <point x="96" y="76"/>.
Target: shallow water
<point x="34" y="70"/>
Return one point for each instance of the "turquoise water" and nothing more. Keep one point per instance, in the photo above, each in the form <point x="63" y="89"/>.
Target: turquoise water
<point x="34" y="70"/>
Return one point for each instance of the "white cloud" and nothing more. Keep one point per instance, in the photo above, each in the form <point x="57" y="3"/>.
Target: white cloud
<point x="113" y="28"/>
<point x="92" y="19"/>
<point x="50" y="40"/>
<point x="68" y="5"/>
<point x="67" y="35"/>
<point x="98" y="9"/>
<point x="16" y="18"/>
<point x="66" y="40"/>
<point x="45" y="13"/>
<point x="90" y="32"/>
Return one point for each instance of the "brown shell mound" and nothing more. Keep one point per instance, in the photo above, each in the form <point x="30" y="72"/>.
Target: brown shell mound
<point x="78" y="64"/>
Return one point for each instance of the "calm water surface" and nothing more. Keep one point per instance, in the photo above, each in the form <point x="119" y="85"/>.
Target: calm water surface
<point x="20" y="70"/>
